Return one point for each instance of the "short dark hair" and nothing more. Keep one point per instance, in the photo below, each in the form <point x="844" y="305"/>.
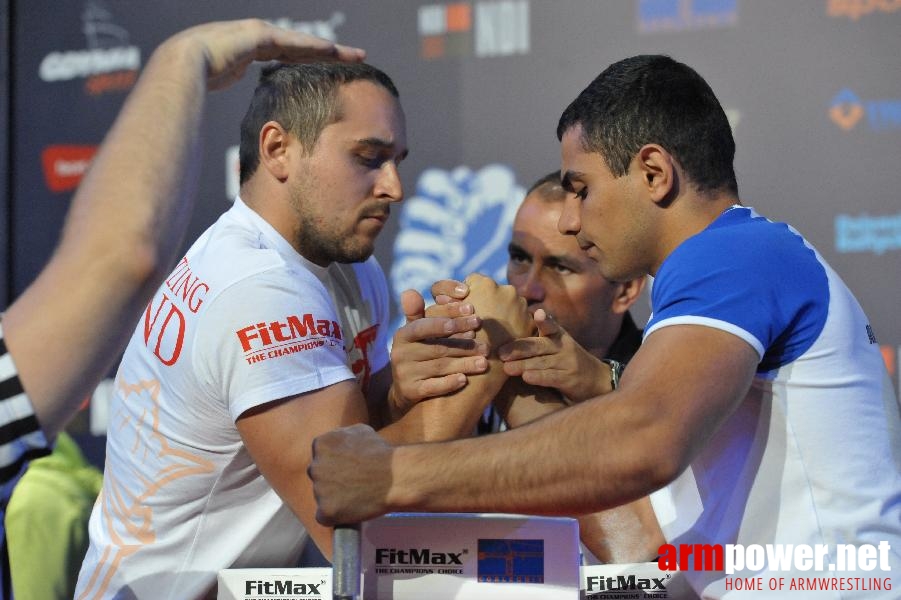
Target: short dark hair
<point x="655" y="99"/>
<point x="302" y="99"/>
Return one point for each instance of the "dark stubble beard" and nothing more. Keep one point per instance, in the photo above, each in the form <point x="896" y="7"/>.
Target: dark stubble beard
<point x="322" y="245"/>
<point x="318" y="238"/>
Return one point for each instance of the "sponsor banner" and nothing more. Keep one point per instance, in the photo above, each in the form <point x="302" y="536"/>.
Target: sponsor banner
<point x="863" y="233"/>
<point x="65" y="165"/>
<point x="326" y="29"/>
<point x="856" y="9"/>
<point x="468" y="556"/>
<point x="635" y="580"/>
<point x="848" y="110"/>
<point x="107" y="63"/>
<point x="275" y="584"/>
<point x="685" y="15"/>
<point x="481" y="29"/>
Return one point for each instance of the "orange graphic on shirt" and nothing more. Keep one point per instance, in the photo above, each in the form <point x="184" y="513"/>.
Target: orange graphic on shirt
<point x="126" y="516"/>
<point x="362" y="367"/>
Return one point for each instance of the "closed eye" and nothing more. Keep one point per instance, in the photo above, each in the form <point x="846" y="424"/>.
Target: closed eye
<point x="519" y="257"/>
<point x="370" y="162"/>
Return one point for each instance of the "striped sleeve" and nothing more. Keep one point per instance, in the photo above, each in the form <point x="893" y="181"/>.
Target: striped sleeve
<point x="21" y="437"/>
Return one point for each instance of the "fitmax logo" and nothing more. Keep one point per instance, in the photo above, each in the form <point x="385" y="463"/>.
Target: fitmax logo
<point x="417" y="556"/>
<point x="284" y="587"/>
<point x="274" y="339"/>
<point x="624" y="582"/>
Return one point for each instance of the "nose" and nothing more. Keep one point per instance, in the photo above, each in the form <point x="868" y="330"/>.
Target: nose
<point x="570" y="222"/>
<point x="529" y="286"/>
<point x="388" y="185"/>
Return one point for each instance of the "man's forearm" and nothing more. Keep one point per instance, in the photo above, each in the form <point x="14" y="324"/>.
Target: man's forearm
<point x="624" y="534"/>
<point x="539" y="468"/>
<point x="519" y="403"/>
<point x="448" y="417"/>
<point x="126" y="224"/>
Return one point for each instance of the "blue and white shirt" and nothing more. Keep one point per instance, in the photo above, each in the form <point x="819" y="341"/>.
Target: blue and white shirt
<point x="813" y="453"/>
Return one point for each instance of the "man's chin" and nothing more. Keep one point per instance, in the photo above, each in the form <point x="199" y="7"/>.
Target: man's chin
<point x="356" y="255"/>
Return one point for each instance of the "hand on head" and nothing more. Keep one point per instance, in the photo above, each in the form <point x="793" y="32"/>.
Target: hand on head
<point x="230" y="46"/>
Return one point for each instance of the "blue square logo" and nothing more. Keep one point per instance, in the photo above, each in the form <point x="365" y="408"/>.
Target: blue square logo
<point x="511" y="561"/>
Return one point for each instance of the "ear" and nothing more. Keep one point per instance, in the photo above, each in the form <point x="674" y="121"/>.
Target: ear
<point x="628" y="293"/>
<point x="275" y="142"/>
<point x="657" y="168"/>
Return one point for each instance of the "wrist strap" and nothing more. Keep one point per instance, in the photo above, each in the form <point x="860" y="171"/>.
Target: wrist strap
<point x="616" y="371"/>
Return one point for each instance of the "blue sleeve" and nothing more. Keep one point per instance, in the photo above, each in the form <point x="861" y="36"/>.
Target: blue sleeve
<point x="760" y="282"/>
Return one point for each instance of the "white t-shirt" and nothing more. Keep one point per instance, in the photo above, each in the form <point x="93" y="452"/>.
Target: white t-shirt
<point x="241" y="321"/>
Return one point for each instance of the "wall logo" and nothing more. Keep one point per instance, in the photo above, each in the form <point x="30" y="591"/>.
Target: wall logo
<point x="855" y="9"/>
<point x="65" y="165"/>
<point x="108" y="64"/>
<point x="683" y="15"/>
<point x="457" y="222"/>
<point x="324" y="29"/>
<point x="863" y="233"/>
<point x="499" y="28"/>
<point x="511" y="561"/>
<point x="847" y="110"/>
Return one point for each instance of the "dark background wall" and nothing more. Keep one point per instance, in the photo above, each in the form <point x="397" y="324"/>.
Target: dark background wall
<point x="812" y="87"/>
<point x="4" y="152"/>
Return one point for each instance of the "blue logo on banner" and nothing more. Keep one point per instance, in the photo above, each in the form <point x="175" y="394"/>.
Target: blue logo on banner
<point x="682" y="15"/>
<point x="867" y="234"/>
<point x="882" y="115"/>
<point x="511" y="561"/>
<point x="457" y="222"/>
